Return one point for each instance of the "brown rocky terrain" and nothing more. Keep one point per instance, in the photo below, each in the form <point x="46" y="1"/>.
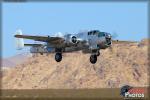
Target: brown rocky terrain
<point x="124" y="64"/>
<point x="14" y="60"/>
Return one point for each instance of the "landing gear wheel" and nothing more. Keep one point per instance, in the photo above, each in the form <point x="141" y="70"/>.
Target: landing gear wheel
<point x="58" y="57"/>
<point x="93" y="59"/>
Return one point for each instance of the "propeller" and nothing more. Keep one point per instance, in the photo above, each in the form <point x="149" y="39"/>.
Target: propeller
<point x="113" y="36"/>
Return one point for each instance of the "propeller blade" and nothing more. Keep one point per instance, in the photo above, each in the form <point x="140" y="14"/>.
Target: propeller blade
<point x="114" y="35"/>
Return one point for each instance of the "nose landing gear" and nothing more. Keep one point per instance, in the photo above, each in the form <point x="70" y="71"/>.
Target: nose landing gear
<point x="93" y="57"/>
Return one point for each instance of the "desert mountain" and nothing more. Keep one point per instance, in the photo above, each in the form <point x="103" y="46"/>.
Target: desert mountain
<point x="14" y="60"/>
<point x="125" y="64"/>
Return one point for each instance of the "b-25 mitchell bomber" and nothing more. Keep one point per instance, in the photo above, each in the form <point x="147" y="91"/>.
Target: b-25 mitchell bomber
<point x="88" y="42"/>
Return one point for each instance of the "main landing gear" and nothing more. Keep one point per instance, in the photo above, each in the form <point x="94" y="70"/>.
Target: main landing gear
<point x="58" y="57"/>
<point x="93" y="57"/>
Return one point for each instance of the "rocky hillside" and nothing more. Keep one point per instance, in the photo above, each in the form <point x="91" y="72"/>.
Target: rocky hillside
<point x="14" y="60"/>
<point x="124" y="64"/>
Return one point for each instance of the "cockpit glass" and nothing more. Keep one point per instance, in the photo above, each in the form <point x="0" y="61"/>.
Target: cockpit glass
<point x="101" y="34"/>
<point x="94" y="32"/>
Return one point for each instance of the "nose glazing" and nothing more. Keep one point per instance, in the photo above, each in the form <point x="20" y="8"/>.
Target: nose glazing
<point x="108" y="38"/>
<point x="108" y="35"/>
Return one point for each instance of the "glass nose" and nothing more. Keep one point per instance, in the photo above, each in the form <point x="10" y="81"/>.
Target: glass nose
<point x="108" y="35"/>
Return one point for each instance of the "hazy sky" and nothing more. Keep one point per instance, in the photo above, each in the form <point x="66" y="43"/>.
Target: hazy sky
<point x="128" y="19"/>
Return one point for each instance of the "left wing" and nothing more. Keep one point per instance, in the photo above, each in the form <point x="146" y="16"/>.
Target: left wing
<point x="48" y="39"/>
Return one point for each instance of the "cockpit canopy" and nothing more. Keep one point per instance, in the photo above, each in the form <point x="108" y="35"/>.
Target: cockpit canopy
<point x="101" y="34"/>
<point x="96" y="32"/>
<point x="93" y="32"/>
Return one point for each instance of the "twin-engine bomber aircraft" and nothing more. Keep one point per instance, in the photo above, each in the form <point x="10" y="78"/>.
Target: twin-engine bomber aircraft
<point x="89" y="42"/>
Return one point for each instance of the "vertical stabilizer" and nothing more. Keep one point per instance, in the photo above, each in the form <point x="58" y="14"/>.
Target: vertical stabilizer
<point x="19" y="41"/>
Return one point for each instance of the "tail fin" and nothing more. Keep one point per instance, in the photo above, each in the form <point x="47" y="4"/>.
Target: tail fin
<point x="19" y="41"/>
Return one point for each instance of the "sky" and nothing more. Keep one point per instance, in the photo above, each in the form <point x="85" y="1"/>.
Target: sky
<point x="128" y="19"/>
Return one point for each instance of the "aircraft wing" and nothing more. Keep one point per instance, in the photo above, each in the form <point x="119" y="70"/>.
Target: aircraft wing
<point x="48" y="39"/>
<point x="118" y="41"/>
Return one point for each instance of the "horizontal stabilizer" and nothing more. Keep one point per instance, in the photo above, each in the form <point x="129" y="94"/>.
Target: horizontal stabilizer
<point x="34" y="45"/>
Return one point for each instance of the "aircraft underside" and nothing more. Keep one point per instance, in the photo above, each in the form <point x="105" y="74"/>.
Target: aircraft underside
<point x="93" y="57"/>
<point x="58" y="52"/>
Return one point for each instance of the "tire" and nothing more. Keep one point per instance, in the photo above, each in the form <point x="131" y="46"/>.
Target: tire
<point x="93" y="59"/>
<point x="58" y="57"/>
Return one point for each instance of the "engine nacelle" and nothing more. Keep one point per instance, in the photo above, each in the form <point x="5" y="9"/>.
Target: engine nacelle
<point x="74" y="39"/>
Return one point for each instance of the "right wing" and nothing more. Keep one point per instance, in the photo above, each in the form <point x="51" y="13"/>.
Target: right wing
<point x="120" y="41"/>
